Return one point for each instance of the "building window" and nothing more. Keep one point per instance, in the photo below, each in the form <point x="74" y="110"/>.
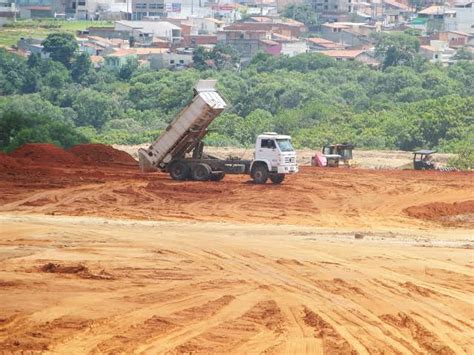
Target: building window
<point x="335" y="7"/>
<point x="140" y="6"/>
<point x="181" y="61"/>
<point x="325" y="7"/>
<point x="172" y="61"/>
<point x="81" y="3"/>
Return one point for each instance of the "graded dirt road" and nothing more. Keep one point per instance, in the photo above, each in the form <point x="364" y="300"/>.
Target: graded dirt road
<point x="99" y="258"/>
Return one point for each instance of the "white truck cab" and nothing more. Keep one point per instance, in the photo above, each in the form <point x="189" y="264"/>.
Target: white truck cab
<point x="273" y="158"/>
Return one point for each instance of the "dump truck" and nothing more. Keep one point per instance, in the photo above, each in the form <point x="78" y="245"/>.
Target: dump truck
<point x="179" y="150"/>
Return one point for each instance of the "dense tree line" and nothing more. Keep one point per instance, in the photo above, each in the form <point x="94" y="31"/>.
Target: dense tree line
<point x="407" y="104"/>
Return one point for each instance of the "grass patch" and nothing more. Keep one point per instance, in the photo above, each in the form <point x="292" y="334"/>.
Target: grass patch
<point x="40" y="28"/>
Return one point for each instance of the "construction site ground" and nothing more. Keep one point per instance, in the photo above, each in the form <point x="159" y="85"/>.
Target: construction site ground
<point x="98" y="257"/>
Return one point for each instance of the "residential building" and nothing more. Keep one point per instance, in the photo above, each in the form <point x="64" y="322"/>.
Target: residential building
<point x="333" y="10"/>
<point x="8" y="11"/>
<point x="247" y="43"/>
<point x="435" y="18"/>
<point x="40" y="8"/>
<point x="31" y="46"/>
<point x="352" y="55"/>
<point x="147" y="8"/>
<point x="287" y="28"/>
<point x="348" y="33"/>
<point x="145" y="32"/>
<point x="395" y="12"/>
<point x="464" y="19"/>
<point x="438" y="52"/>
<point x="271" y="47"/>
<point x="169" y="60"/>
<point x="320" y="44"/>
<point x="119" y="58"/>
<point x="199" y="40"/>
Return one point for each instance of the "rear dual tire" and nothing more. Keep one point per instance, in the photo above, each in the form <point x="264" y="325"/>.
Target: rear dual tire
<point x="179" y="171"/>
<point x="202" y="172"/>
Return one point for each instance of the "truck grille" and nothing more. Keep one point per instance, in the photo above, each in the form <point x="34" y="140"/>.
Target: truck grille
<point x="290" y="159"/>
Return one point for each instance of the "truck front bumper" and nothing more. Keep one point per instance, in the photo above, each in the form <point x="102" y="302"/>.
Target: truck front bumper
<point x="288" y="169"/>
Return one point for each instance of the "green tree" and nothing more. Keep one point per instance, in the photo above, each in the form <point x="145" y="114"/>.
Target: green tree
<point x="396" y="48"/>
<point x="81" y="67"/>
<point x="126" y="71"/>
<point x="61" y="47"/>
<point x="464" y="54"/>
<point x="94" y="108"/>
<point x="224" y="56"/>
<point x="18" y="128"/>
<point x="303" y="13"/>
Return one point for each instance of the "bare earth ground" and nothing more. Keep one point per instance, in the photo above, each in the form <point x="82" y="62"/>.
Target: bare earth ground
<point x="104" y="259"/>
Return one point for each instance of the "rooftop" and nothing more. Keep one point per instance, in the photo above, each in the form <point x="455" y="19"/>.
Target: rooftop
<point x="343" y="53"/>
<point x="436" y="10"/>
<point x="397" y="4"/>
<point x="149" y="26"/>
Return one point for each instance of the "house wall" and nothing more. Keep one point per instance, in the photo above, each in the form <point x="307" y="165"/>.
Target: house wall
<point x="170" y="60"/>
<point x="463" y="21"/>
<point x="143" y="8"/>
<point x="294" y="48"/>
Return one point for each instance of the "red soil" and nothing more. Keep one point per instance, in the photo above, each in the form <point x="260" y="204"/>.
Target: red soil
<point x="100" y="154"/>
<point x="435" y="210"/>
<point x="45" y="154"/>
<point x="7" y="162"/>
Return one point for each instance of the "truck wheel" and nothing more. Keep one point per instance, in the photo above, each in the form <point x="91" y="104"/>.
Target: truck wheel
<point x="278" y="178"/>
<point x="179" y="171"/>
<point x="202" y="172"/>
<point x="217" y="176"/>
<point x="260" y="174"/>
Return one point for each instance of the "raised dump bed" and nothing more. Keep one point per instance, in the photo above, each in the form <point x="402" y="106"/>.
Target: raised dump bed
<point x="186" y="130"/>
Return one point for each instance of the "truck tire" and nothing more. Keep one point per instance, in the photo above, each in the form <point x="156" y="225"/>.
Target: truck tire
<point x="202" y="172"/>
<point x="260" y="174"/>
<point x="278" y="178"/>
<point x="217" y="176"/>
<point x="178" y="171"/>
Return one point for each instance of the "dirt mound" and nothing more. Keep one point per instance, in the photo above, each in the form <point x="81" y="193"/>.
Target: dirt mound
<point x="61" y="269"/>
<point x="437" y="210"/>
<point x="100" y="154"/>
<point x="80" y="270"/>
<point x="7" y="162"/>
<point x="44" y="153"/>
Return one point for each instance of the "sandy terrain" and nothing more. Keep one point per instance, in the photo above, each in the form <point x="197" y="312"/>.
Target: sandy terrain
<point x="99" y="258"/>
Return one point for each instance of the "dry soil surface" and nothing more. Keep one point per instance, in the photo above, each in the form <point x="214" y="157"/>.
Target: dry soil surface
<point x="99" y="258"/>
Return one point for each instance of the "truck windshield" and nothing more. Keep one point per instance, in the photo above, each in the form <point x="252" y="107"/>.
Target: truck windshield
<point x="285" y="145"/>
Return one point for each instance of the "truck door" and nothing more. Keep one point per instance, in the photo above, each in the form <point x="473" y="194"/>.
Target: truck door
<point x="268" y="151"/>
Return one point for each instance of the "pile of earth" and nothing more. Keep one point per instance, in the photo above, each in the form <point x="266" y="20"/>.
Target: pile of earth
<point x="50" y="155"/>
<point x="7" y="162"/>
<point x="441" y="210"/>
<point x="100" y="154"/>
<point x="43" y="153"/>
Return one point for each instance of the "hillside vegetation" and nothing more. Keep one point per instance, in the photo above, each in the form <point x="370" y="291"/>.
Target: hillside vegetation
<point x="406" y="105"/>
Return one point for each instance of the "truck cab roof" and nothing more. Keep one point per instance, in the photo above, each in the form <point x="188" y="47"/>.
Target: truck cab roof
<point x="273" y="135"/>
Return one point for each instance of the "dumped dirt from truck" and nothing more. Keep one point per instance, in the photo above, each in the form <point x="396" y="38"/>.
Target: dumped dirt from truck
<point x="100" y="155"/>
